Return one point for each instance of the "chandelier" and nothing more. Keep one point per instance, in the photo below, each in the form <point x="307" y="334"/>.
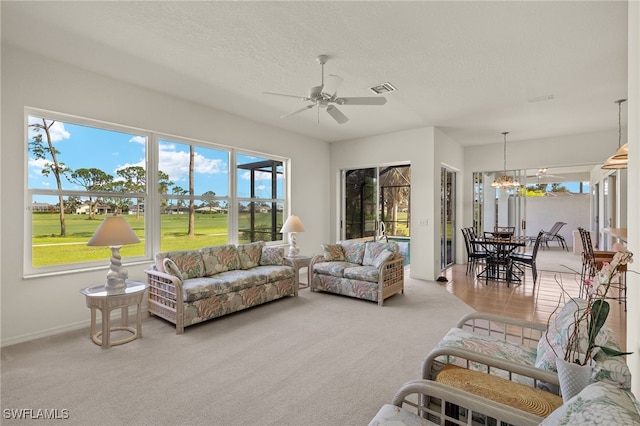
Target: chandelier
<point x="504" y="181"/>
<point x="620" y="159"/>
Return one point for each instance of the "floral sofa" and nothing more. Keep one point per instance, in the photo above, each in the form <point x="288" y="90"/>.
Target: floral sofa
<point x="522" y="351"/>
<point x="363" y="269"/>
<point x="190" y="286"/>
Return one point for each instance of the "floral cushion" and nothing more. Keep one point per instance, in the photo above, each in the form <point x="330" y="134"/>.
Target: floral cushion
<point x="220" y="258"/>
<point x="353" y="251"/>
<point x="382" y="257"/>
<point x="272" y="256"/>
<point x="597" y="404"/>
<point x="250" y="254"/>
<point x="373" y="249"/>
<point x="335" y="269"/>
<point x="611" y="369"/>
<point x="188" y="262"/>
<point x="333" y="252"/>
<point x="363" y="273"/>
<point x="488" y="345"/>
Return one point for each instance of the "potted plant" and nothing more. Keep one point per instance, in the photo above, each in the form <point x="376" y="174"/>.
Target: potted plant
<point x="581" y="344"/>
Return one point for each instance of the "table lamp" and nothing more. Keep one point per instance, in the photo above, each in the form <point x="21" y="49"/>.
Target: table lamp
<point x="114" y="232"/>
<point x="293" y="225"/>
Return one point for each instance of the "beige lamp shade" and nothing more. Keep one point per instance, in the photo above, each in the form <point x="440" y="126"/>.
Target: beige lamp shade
<point x="622" y="153"/>
<point x="293" y="224"/>
<point x="113" y="231"/>
<point x="615" y="164"/>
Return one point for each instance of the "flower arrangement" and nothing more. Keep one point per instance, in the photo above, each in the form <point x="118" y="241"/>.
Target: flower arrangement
<point x="589" y="321"/>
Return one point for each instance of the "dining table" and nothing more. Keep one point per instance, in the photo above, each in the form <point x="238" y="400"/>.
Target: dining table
<point x="498" y="263"/>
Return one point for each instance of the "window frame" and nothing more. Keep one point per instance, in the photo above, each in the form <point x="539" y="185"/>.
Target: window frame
<point x="151" y="197"/>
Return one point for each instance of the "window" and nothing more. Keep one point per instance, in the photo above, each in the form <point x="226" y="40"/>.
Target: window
<point x="194" y="185"/>
<point x="80" y="171"/>
<point x="260" y="197"/>
<point x="78" y="174"/>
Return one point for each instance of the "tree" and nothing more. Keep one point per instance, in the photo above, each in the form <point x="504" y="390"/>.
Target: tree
<point x="92" y="180"/>
<point x="177" y="190"/>
<point x="135" y="181"/>
<point x="192" y="208"/>
<point x="163" y="187"/>
<point x="41" y="152"/>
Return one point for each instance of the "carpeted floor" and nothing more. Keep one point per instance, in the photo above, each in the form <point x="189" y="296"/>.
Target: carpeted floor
<point x="317" y="359"/>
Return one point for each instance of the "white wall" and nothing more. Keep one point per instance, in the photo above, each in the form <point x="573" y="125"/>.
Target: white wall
<point x="425" y="149"/>
<point x="571" y="209"/>
<point x="41" y="306"/>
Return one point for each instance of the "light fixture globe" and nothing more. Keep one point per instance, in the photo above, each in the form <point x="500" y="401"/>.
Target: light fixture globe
<point x="505" y="181"/>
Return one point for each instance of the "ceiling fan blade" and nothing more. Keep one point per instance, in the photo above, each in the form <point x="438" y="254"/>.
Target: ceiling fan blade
<point x="306" y="107"/>
<point x="336" y="114"/>
<point x="331" y="85"/>
<point x="288" y="96"/>
<point x="361" y="101"/>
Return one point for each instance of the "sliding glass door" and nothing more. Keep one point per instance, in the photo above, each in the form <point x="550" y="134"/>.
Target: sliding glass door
<point x="376" y="205"/>
<point x="447" y="217"/>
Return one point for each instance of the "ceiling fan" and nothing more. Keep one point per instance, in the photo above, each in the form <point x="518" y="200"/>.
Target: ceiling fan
<point x="542" y="173"/>
<point x="325" y="97"/>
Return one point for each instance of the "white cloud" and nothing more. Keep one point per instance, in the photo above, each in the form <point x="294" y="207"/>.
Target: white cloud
<point x="176" y="164"/>
<point x="138" y="139"/>
<point x="57" y="130"/>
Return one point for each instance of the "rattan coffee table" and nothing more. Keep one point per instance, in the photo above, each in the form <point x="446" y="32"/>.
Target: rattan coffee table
<point x="507" y="392"/>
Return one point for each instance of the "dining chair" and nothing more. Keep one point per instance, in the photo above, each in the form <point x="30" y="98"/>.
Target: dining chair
<point x="475" y="252"/>
<point x="592" y="262"/>
<point x="529" y="260"/>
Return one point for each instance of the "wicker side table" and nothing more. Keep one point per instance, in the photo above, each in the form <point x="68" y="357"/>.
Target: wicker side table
<point x="97" y="297"/>
<point x="300" y="262"/>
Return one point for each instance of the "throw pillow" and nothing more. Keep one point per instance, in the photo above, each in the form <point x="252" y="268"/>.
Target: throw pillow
<point x="272" y="256"/>
<point x="171" y="268"/>
<point x="373" y="249"/>
<point x="353" y="251"/>
<point x="332" y="252"/>
<point x="382" y="257"/>
<point x="598" y="403"/>
<point x="250" y="254"/>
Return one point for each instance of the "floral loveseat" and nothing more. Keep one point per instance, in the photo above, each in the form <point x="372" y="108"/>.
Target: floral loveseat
<point x="521" y="350"/>
<point x="367" y="270"/>
<point x="190" y="286"/>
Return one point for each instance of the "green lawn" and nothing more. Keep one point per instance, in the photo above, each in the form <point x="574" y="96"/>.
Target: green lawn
<point x="51" y="249"/>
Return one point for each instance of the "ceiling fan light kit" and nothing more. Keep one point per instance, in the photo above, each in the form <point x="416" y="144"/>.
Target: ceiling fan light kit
<point x="325" y="96"/>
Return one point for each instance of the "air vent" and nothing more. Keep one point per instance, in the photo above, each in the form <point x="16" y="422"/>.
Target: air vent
<point x="382" y="88"/>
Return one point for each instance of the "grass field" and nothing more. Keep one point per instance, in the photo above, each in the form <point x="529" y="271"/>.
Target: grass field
<point x="51" y="249"/>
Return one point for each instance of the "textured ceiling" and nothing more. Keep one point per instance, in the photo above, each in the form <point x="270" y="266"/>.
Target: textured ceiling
<point x="474" y="69"/>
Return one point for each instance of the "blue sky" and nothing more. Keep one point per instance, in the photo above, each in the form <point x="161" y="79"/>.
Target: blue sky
<point x="87" y="147"/>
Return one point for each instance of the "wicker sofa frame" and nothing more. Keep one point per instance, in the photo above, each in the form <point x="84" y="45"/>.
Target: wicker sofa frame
<point x="166" y="298"/>
<point x="428" y="402"/>
<point x="524" y="333"/>
<point x="390" y="280"/>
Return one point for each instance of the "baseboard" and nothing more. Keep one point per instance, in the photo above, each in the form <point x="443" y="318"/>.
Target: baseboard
<point x="115" y="315"/>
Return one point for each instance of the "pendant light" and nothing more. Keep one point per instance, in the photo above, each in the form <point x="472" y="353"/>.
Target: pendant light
<point x="504" y="181"/>
<point x="620" y="159"/>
